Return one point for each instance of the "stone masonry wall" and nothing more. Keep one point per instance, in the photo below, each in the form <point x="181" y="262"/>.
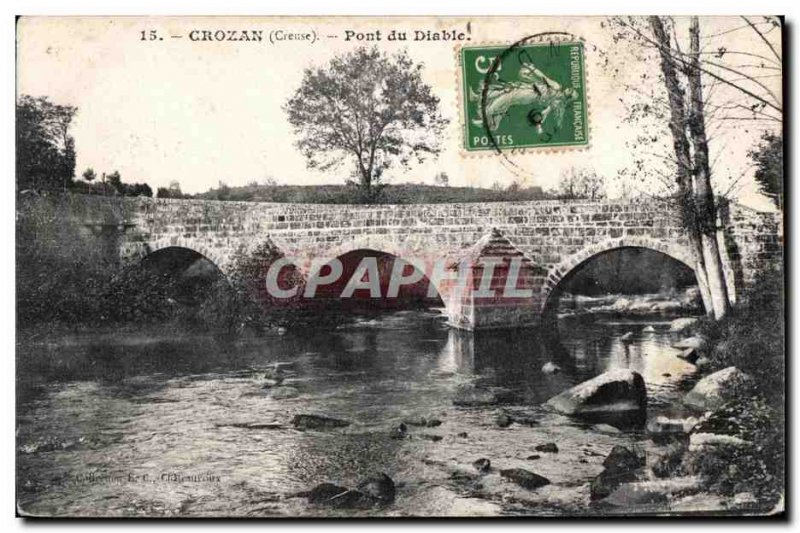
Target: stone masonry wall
<point x="555" y="235"/>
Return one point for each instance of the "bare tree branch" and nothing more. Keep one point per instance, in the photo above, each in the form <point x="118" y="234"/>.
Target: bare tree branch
<point x="769" y="44"/>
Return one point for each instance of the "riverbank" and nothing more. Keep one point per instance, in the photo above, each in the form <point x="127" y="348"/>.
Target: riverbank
<point x="728" y="454"/>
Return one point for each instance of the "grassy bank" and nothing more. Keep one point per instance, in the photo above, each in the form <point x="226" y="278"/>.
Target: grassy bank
<point x="752" y="339"/>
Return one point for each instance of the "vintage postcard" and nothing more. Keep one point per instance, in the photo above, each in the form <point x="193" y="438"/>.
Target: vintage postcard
<point x="290" y="267"/>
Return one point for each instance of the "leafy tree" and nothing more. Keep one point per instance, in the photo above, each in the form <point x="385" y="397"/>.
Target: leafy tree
<point x="115" y="180"/>
<point x="173" y="191"/>
<point x="45" y="149"/>
<point x="768" y="158"/>
<point x="369" y="108"/>
<point x="89" y="174"/>
<point x="137" y="189"/>
<point x="581" y="183"/>
<point x="442" y="179"/>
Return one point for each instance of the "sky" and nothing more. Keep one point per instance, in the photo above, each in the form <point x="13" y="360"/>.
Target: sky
<point x="173" y="109"/>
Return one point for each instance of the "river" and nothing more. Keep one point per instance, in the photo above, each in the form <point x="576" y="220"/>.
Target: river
<point x="120" y="425"/>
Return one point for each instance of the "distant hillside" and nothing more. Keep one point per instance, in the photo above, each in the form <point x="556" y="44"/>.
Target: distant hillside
<point x="348" y="194"/>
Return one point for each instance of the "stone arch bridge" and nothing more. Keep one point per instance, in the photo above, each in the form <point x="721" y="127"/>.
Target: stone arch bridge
<point x="549" y="238"/>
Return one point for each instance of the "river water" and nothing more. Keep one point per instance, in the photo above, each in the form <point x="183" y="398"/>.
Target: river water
<point x="112" y="425"/>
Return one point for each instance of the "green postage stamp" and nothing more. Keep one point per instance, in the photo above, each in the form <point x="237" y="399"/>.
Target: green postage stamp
<point x="533" y="96"/>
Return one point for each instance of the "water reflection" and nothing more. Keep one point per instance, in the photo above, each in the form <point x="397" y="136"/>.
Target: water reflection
<point x="145" y="405"/>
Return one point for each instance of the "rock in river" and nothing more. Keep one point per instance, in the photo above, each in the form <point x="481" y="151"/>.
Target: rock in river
<point x="423" y="422"/>
<point x="525" y="478"/>
<point x="503" y="420"/>
<point x="324" y="492"/>
<point x="468" y="395"/>
<point x="380" y="487"/>
<point x="317" y="422"/>
<point x="627" y="337"/>
<point x="550" y="447"/>
<point x="376" y="490"/>
<point x="399" y="432"/>
<point x="620" y="467"/>
<point x="614" y="392"/>
<point x="482" y="464"/>
<point x="550" y="368"/>
<point x="284" y="392"/>
<point x="716" y="389"/>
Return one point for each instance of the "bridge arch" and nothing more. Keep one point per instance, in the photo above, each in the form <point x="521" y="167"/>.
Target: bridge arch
<point x="563" y="270"/>
<point x="221" y="261"/>
<point x="352" y="259"/>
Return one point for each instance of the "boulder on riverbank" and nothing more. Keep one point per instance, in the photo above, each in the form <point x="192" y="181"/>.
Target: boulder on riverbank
<point x="317" y="422"/>
<point x="689" y="355"/>
<point x="657" y="493"/>
<point x="715" y="390"/>
<point x="695" y="342"/>
<point x="615" y="392"/>
<point x="682" y="324"/>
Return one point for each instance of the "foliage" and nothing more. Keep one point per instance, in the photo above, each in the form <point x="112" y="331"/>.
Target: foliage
<point x="45" y="151"/>
<point x="59" y="269"/>
<point x="369" y="108"/>
<point x="751" y="337"/>
<point x="65" y="276"/>
<point x="768" y="158"/>
<point x="391" y="194"/>
<point x="757" y="468"/>
<point x="128" y="189"/>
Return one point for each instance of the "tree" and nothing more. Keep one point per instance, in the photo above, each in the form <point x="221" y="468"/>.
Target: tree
<point x="441" y="179"/>
<point x="223" y="191"/>
<point x="580" y="183"/>
<point x="89" y="174"/>
<point x="680" y="99"/>
<point x="768" y="158"/>
<point x="369" y="108"/>
<point x="45" y="150"/>
<point x="115" y="180"/>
